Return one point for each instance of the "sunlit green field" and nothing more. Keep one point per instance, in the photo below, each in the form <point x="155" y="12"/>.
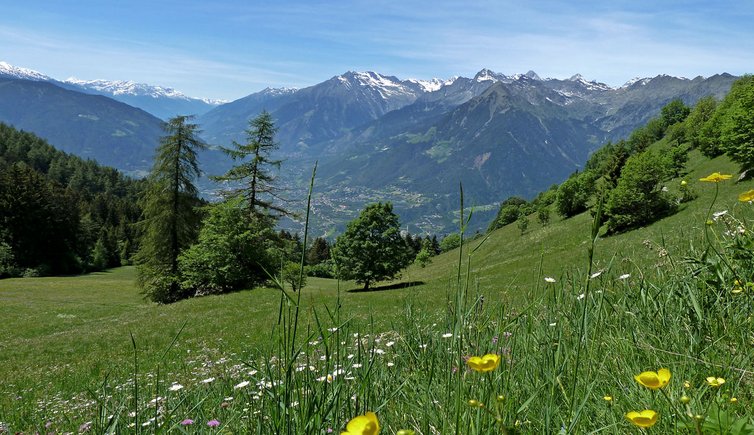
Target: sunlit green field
<point x="89" y="353"/>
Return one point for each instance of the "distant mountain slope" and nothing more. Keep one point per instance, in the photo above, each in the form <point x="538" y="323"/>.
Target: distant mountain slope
<point x="161" y="102"/>
<point x="518" y="137"/>
<point x="309" y="116"/>
<point x="90" y="126"/>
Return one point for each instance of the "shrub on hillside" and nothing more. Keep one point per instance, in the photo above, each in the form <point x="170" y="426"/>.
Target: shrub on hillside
<point x="233" y="251"/>
<point x="638" y="199"/>
<point x="699" y="116"/>
<point x="325" y="269"/>
<point x="450" y="242"/>
<point x="543" y="215"/>
<point x="737" y="123"/>
<point x="292" y="276"/>
<point x="675" y="160"/>
<point x="573" y="195"/>
<point x="509" y="211"/>
<point x="674" y="112"/>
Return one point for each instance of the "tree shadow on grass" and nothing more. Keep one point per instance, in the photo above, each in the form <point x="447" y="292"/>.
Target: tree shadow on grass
<point x="396" y="286"/>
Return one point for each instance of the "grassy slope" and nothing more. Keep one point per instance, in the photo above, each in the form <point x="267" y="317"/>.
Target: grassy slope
<point x="507" y="264"/>
<point x="65" y="334"/>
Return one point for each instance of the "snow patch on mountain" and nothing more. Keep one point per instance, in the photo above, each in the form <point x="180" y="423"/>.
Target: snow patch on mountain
<point x="387" y="86"/>
<point x="433" y="85"/>
<point x="641" y="81"/>
<point x="590" y="85"/>
<point x="275" y="92"/>
<point x="487" y="75"/>
<point x="126" y="87"/>
<point x="15" y="72"/>
<point x="131" y="88"/>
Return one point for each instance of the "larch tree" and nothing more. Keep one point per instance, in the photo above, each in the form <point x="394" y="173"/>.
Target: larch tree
<point x="252" y="177"/>
<point x="170" y="218"/>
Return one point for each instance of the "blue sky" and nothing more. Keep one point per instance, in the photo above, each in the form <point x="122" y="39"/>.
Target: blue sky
<point x="228" y="49"/>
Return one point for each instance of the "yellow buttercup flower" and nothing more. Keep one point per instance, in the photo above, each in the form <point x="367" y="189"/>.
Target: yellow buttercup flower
<point x="715" y="382"/>
<point x="684" y="182"/>
<point x="646" y="418"/>
<point x="366" y="424"/>
<point x="716" y="177"/>
<point x="746" y="196"/>
<point x="654" y="380"/>
<point x="484" y="364"/>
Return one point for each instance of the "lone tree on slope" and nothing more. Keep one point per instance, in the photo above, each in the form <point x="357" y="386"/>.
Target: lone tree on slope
<point x="371" y="249"/>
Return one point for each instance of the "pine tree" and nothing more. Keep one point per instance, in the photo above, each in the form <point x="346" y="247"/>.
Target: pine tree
<point x="170" y="219"/>
<point x="319" y="252"/>
<point x="253" y="173"/>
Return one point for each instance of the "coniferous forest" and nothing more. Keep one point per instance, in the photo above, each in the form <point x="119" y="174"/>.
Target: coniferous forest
<point x="60" y="214"/>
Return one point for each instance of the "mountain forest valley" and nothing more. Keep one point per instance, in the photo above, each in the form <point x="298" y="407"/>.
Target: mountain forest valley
<point x="496" y="254"/>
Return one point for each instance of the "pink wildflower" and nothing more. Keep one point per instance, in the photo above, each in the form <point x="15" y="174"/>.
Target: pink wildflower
<point x="213" y="423"/>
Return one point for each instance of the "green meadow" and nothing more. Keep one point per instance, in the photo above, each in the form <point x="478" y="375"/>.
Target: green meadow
<point x="573" y="319"/>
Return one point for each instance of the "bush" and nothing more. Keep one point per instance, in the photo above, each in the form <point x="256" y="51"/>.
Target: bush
<point x="737" y="126"/>
<point x="292" y="275"/>
<point x="700" y="115"/>
<point x="508" y="212"/>
<point x="7" y="264"/>
<point x="523" y="223"/>
<point x="638" y="198"/>
<point x="450" y="242"/>
<point x="573" y="195"/>
<point x="675" y="160"/>
<point x="233" y="251"/>
<point x="543" y="215"/>
<point x="325" y="269"/>
<point x="423" y="258"/>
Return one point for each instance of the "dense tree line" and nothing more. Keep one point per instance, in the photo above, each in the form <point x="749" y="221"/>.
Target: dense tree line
<point x="60" y="214"/>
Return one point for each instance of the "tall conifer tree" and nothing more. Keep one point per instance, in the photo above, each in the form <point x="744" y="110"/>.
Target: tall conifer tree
<point x="170" y="217"/>
<point x="252" y="178"/>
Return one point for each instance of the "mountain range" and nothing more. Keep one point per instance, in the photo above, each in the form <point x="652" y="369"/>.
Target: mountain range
<point x="376" y="137"/>
<point x="162" y="102"/>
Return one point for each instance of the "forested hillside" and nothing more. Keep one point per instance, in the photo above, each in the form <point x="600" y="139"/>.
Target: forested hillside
<point x="60" y="214"/>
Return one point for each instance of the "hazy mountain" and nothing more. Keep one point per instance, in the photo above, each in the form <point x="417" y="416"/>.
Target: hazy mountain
<point x="90" y="126"/>
<point x="162" y="102"/>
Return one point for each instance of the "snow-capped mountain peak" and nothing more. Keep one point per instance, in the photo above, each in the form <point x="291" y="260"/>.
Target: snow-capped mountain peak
<point x="434" y="84"/>
<point x="590" y="85"/>
<point x="126" y="87"/>
<point x="278" y="91"/>
<point x="486" y="75"/>
<point x="9" y="70"/>
<point x="641" y="81"/>
<point x="370" y="79"/>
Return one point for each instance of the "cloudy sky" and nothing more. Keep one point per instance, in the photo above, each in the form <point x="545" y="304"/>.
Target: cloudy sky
<point x="228" y="49"/>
